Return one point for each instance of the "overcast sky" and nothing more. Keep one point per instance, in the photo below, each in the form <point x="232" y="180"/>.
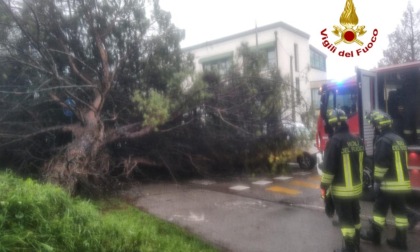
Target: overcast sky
<point x="206" y="20"/>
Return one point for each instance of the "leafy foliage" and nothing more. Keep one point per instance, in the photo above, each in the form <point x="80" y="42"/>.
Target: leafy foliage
<point x="155" y="107"/>
<point x="95" y="90"/>
<point x="238" y="121"/>
<point x="84" y="76"/>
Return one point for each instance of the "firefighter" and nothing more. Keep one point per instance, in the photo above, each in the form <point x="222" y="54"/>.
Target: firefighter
<point x="342" y="177"/>
<point x="391" y="181"/>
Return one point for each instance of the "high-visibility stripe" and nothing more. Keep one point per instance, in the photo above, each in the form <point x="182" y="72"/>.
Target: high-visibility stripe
<point x="343" y="191"/>
<point x="378" y="219"/>
<point x="395" y="186"/>
<point x="398" y="166"/>
<point x="358" y="226"/>
<point x="346" y="189"/>
<point x="385" y="122"/>
<point x="352" y="194"/>
<point x="334" y="119"/>
<point x="327" y="178"/>
<point x="401" y="222"/>
<point x="407" y="132"/>
<point x="361" y="165"/>
<point x="347" y="171"/>
<point x="379" y="172"/>
<point x="348" y="232"/>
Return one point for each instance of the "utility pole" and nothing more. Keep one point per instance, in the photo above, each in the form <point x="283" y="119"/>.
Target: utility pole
<point x="256" y="34"/>
<point x="277" y="51"/>
<point x="292" y="90"/>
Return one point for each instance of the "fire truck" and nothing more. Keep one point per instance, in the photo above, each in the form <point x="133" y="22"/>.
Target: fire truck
<point x="394" y="89"/>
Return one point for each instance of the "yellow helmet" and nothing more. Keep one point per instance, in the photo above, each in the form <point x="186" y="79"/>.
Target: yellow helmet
<point x="336" y="117"/>
<point x="379" y="119"/>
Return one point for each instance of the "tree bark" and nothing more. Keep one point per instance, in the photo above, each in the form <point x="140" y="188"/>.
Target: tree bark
<point x="84" y="162"/>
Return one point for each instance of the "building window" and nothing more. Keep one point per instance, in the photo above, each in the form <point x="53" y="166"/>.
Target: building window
<point x="219" y="63"/>
<point x="297" y="86"/>
<point x="269" y="54"/>
<point x="318" y="61"/>
<point x="219" y="66"/>
<point x="271" y="57"/>
<point x="270" y="60"/>
<point x="296" y="57"/>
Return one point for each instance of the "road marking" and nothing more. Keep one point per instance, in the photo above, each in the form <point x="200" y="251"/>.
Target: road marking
<point x="262" y="182"/>
<point x="316" y="178"/>
<point x="279" y="189"/>
<point x="239" y="187"/>
<point x="301" y="173"/>
<point x="202" y="182"/>
<point x="304" y="184"/>
<point x="283" y="178"/>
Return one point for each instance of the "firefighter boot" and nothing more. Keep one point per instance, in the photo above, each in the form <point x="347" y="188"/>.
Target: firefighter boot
<point x="349" y="246"/>
<point x="400" y="240"/>
<point x="373" y="234"/>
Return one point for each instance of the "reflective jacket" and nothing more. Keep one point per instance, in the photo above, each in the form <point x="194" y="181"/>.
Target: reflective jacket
<point x="391" y="161"/>
<point x="343" y="170"/>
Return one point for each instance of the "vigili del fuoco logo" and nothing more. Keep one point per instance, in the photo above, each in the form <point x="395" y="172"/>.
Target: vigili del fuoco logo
<point x="349" y="32"/>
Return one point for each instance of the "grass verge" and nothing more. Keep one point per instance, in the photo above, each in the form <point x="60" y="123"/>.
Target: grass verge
<point x="43" y="217"/>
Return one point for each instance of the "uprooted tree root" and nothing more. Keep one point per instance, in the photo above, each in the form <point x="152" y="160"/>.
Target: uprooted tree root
<point x="82" y="174"/>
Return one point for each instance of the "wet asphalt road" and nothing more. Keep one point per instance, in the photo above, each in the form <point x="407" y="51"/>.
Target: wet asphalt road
<point x="283" y="213"/>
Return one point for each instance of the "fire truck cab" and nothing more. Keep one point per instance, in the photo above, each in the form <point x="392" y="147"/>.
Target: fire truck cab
<point x="394" y="89"/>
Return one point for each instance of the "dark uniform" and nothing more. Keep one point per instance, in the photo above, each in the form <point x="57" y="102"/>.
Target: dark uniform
<point x="392" y="183"/>
<point x="342" y="176"/>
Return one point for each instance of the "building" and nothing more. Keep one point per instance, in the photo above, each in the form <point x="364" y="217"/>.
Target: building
<point x="286" y="47"/>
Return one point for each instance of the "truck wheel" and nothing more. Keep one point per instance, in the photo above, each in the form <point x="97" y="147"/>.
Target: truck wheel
<point x="306" y="161"/>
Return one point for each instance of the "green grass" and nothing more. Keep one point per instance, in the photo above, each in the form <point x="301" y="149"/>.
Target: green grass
<point x="43" y="217"/>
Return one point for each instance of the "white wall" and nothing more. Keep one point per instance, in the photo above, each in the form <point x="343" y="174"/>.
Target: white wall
<point x="287" y="37"/>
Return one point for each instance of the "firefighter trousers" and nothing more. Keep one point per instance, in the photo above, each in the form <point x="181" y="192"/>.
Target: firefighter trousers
<point x="348" y="212"/>
<point x="397" y="203"/>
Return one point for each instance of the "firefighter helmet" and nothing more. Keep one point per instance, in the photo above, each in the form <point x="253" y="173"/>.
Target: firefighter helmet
<point x="379" y="119"/>
<point x="336" y="117"/>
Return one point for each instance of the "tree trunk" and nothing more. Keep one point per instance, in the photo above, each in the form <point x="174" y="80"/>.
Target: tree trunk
<point x="83" y="163"/>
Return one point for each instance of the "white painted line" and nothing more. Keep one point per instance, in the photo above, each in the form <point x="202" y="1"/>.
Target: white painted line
<point x="239" y="188"/>
<point x="262" y="182"/>
<point x="202" y="182"/>
<point x="301" y="173"/>
<point x="283" y="178"/>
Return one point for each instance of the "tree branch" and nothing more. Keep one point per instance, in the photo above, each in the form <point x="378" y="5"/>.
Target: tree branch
<point x="19" y="138"/>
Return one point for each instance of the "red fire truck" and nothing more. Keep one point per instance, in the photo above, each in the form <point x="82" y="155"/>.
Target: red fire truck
<point x="394" y="89"/>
